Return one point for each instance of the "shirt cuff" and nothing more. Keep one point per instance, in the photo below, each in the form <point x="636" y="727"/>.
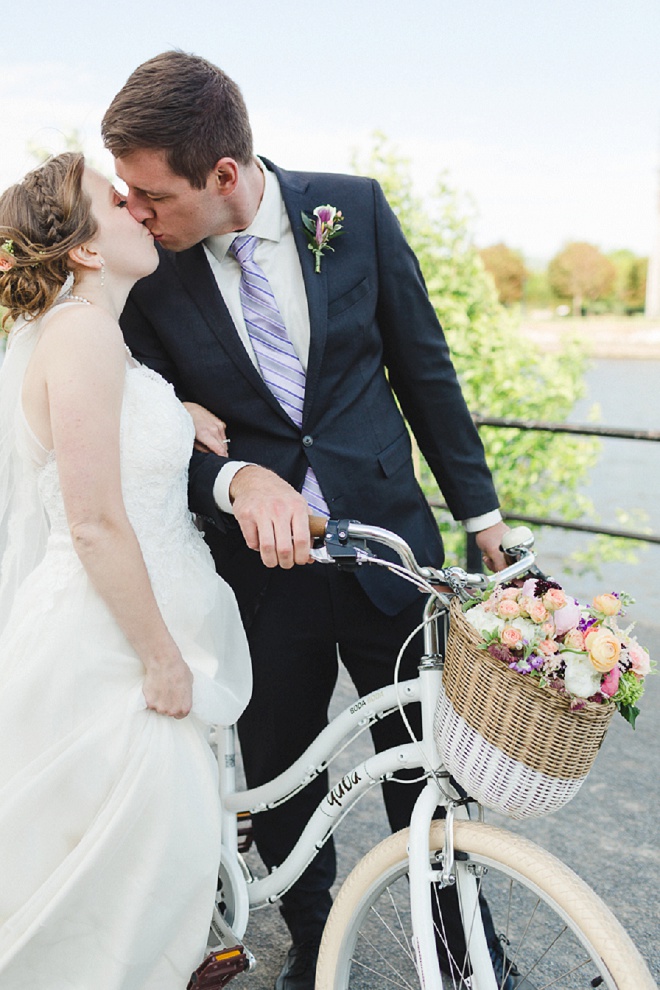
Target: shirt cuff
<point x="476" y="523"/>
<point x="222" y="483"/>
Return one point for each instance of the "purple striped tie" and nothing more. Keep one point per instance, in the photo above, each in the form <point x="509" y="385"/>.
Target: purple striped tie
<point x="278" y="363"/>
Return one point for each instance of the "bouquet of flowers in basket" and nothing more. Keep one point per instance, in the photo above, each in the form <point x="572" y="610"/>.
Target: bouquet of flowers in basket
<point x="580" y="651"/>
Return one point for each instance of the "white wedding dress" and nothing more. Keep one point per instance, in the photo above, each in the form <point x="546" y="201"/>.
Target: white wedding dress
<point x="109" y="814"/>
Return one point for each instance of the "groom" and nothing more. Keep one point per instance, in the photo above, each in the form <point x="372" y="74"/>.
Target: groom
<point x="312" y="372"/>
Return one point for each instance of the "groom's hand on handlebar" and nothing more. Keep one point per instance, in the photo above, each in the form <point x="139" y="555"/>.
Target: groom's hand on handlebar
<point x="273" y="516"/>
<point x="488" y="541"/>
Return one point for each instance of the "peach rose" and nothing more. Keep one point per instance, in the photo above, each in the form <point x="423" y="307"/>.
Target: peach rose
<point x="510" y="593"/>
<point x="508" y="609"/>
<point x="511" y="637"/>
<point x="547" y="647"/>
<point x="537" y="611"/>
<point x="607" y="604"/>
<point x="574" y="639"/>
<point x="553" y="599"/>
<point x="640" y="660"/>
<point x="603" y="648"/>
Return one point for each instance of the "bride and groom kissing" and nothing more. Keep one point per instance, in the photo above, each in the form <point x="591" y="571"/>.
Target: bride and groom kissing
<point x="121" y="637"/>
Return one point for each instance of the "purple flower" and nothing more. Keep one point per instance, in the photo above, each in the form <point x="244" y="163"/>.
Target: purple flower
<point x="325" y="214"/>
<point x="320" y="228"/>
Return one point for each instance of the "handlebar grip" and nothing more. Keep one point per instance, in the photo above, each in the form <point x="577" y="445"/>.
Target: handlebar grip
<point x="317" y="527"/>
<point x="518" y="538"/>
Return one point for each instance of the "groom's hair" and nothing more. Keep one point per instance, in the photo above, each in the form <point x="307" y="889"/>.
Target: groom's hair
<point x="185" y="106"/>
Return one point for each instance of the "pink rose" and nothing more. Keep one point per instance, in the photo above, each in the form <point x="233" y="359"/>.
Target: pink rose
<point x="510" y="593"/>
<point x="511" y="637"/>
<point x="547" y="647"/>
<point x="610" y="683"/>
<point x="553" y="599"/>
<point x="607" y="604"/>
<point x="508" y="609"/>
<point x="640" y="660"/>
<point x="536" y="610"/>
<point x="548" y="628"/>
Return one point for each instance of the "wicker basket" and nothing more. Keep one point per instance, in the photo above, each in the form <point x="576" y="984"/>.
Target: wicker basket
<point x="514" y="746"/>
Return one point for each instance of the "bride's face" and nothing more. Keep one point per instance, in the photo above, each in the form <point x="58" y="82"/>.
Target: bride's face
<point x="125" y="245"/>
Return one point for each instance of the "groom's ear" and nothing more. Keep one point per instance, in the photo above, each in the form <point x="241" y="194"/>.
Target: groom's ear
<point x="226" y="174"/>
<point x="85" y="256"/>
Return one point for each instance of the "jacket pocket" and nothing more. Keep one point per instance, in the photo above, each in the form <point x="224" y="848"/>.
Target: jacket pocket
<point x="396" y="455"/>
<point x="349" y="299"/>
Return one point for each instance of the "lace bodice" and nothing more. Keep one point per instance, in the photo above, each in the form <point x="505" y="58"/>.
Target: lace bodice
<point x="157" y="436"/>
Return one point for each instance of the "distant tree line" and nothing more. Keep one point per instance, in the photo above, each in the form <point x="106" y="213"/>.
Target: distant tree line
<point x="579" y="276"/>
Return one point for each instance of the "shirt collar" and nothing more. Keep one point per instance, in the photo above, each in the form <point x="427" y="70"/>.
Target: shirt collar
<point x="267" y="223"/>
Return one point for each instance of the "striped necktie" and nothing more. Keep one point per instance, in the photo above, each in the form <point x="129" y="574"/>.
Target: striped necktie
<point x="278" y="362"/>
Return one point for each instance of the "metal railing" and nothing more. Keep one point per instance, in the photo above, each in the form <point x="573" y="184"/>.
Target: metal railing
<point x="473" y="555"/>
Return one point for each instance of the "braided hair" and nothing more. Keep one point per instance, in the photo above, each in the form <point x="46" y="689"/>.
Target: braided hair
<point x="42" y="218"/>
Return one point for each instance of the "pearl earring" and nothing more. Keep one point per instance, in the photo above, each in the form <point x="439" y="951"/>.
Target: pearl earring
<point x="102" y="274"/>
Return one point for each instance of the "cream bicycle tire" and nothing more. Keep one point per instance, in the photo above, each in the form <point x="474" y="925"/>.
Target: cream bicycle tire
<point x="562" y="895"/>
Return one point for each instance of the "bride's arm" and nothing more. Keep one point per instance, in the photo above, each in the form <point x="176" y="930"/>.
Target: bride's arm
<point x="84" y="365"/>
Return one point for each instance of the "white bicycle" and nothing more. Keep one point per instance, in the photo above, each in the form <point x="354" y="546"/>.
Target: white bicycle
<point x="543" y="927"/>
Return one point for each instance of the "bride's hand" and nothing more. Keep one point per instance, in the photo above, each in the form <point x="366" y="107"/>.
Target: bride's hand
<point x="167" y="688"/>
<point x="210" y="432"/>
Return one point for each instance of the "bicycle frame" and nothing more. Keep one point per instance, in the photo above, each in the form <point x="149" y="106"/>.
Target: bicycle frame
<point x="250" y="893"/>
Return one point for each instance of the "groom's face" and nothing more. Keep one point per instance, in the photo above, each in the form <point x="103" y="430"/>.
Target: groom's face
<point x="177" y="215"/>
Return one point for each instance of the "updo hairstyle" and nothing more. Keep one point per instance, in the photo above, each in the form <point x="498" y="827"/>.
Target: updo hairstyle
<point x="42" y="218"/>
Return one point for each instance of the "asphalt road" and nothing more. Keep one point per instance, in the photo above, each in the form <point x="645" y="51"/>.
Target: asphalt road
<point x="609" y="834"/>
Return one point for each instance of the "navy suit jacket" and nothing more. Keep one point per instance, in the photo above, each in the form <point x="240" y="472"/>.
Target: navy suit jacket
<point x="374" y="336"/>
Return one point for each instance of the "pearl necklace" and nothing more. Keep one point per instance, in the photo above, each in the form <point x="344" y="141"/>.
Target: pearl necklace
<point x="79" y="299"/>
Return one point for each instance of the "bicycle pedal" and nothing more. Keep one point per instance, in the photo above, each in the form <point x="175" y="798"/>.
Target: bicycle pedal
<point x="244" y="831"/>
<point x="219" y="968"/>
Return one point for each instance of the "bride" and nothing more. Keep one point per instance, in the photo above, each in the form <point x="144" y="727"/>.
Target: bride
<point x="118" y="642"/>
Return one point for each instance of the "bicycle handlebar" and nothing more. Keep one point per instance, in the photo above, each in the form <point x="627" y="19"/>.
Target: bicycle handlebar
<point x="345" y="544"/>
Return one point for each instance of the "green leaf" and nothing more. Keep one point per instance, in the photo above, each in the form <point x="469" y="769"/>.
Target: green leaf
<point x="309" y="223"/>
<point x="629" y="712"/>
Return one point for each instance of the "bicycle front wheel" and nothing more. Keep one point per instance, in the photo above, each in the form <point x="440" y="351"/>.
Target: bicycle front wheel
<point x="552" y="929"/>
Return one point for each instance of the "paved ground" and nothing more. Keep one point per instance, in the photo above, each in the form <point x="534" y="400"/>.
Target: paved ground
<point x="609" y="834"/>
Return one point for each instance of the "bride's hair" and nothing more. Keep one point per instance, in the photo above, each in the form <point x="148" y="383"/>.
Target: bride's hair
<point x="41" y="219"/>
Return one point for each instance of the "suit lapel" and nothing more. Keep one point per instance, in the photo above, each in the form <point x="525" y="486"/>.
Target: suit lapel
<point x="296" y="196"/>
<point x="195" y="272"/>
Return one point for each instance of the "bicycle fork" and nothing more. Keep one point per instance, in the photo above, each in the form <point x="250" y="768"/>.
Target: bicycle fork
<point x="423" y="877"/>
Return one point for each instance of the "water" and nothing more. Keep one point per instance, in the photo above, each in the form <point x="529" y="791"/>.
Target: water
<point x="627" y="477"/>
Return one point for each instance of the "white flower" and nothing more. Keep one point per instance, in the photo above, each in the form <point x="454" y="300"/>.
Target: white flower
<point x="581" y="679"/>
<point x="483" y="621"/>
<point x="529" y="629"/>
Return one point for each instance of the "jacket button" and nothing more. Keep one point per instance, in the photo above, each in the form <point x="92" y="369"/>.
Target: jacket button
<point x="307" y="440"/>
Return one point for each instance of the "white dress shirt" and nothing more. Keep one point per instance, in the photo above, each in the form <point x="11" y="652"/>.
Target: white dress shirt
<point x="277" y="255"/>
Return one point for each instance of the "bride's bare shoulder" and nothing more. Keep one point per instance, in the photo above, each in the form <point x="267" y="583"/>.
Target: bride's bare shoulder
<point x="75" y="334"/>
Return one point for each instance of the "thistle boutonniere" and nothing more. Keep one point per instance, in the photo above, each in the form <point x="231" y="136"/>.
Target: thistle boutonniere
<point x="320" y="228"/>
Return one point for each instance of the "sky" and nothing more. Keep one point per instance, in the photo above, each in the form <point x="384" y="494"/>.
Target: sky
<point x="545" y="113"/>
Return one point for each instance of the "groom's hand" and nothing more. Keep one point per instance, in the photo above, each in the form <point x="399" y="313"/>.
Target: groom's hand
<point x="273" y="516"/>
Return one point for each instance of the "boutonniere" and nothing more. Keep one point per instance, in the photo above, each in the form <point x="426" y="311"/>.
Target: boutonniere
<point x="320" y="228"/>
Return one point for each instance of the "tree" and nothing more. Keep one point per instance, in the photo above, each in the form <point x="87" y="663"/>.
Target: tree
<point x="629" y="294"/>
<point x="634" y="294"/>
<point x="508" y="271"/>
<point x="580" y="272"/>
<point x="501" y="373"/>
